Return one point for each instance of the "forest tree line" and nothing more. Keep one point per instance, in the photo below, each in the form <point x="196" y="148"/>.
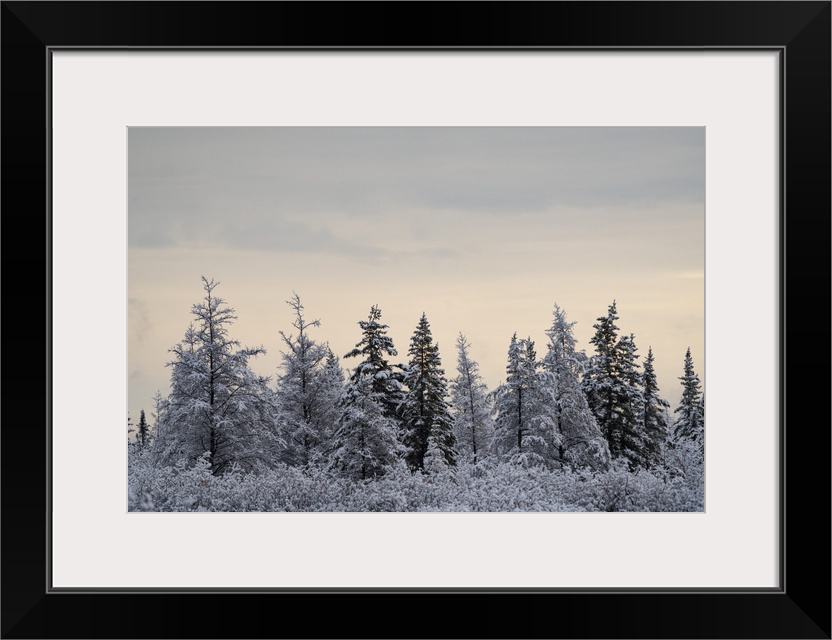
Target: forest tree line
<point x="564" y="411"/>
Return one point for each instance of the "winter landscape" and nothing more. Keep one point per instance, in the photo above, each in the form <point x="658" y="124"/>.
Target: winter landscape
<point x="436" y="369"/>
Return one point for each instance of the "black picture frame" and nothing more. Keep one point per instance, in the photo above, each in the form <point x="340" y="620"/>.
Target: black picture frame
<point x="799" y="608"/>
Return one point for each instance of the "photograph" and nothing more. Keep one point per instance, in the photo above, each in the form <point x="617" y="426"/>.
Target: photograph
<point x="416" y="307"/>
<point x="416" y="319"/>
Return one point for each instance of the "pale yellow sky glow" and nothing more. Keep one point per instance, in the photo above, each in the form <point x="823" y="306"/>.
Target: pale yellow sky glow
<point x="483" y="229"/>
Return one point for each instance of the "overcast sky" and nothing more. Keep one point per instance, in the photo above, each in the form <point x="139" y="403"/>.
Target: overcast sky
<point x="483" y="228"/>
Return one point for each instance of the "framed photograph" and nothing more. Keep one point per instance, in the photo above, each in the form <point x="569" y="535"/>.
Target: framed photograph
<point x="465" y="233"/>
<point x="140" y="143"/>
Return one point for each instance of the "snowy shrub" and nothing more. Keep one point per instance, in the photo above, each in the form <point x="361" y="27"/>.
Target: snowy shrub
<point x="487" y="486"/>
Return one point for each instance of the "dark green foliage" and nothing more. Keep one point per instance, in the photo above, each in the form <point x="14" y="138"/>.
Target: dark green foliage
<point x="655" y="414"/>
<point x="691" y="410"/>
<point x="613" y="389"/>
<point x="366" y="442"/>
<point x="425" y="411"/>
<point x="142" y="431"/>
<point x="375" y="346"/>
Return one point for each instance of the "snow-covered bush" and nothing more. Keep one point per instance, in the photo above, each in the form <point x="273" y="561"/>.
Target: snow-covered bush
<point x="486" y="486"/>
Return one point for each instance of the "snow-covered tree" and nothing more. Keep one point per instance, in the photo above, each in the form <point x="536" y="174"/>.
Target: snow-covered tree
<point x="218" y="408"/>
<point x="581" y="443"/>
<point x="598" y="377"/>
<point x="330" y="401"/>
<point x="304" y="391"/>
<point x="142" y="431"/>
<point x="612" y="384"/>
<point x="633" y="437"/>
<point x="436" y="460"/>
<point x="366" y="443"/>
<point x="524" y="409"/>
<point x="160" y="410"/>
<point x="425" y="410"/>
<point x="690" y="422"/>
<point x="656" y="427"/>
<point x="385" y="379"/>
<point x="471" y="406"/>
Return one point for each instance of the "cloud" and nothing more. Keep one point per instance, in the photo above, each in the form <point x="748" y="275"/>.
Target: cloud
<point x="442" y="253"/>
<point x="277" y="187"/>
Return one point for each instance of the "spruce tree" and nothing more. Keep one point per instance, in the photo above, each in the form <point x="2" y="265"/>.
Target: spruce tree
<point x="508" y="405"/>
<point x="690" y="423"/>
<point x="601" y="375"/>
<point x="612" y="384"/>
<point x="581" y="443"/>
<point x="366" y="443"/>
<point x="375" y="347"/>
<point x="631" y="404"/>
<point x="425" y="410"/>
<point x="655" y="413"/>
<point x="524" y="424"/>
<point x="471" y="406"/>
<point x="142" y="431"/>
